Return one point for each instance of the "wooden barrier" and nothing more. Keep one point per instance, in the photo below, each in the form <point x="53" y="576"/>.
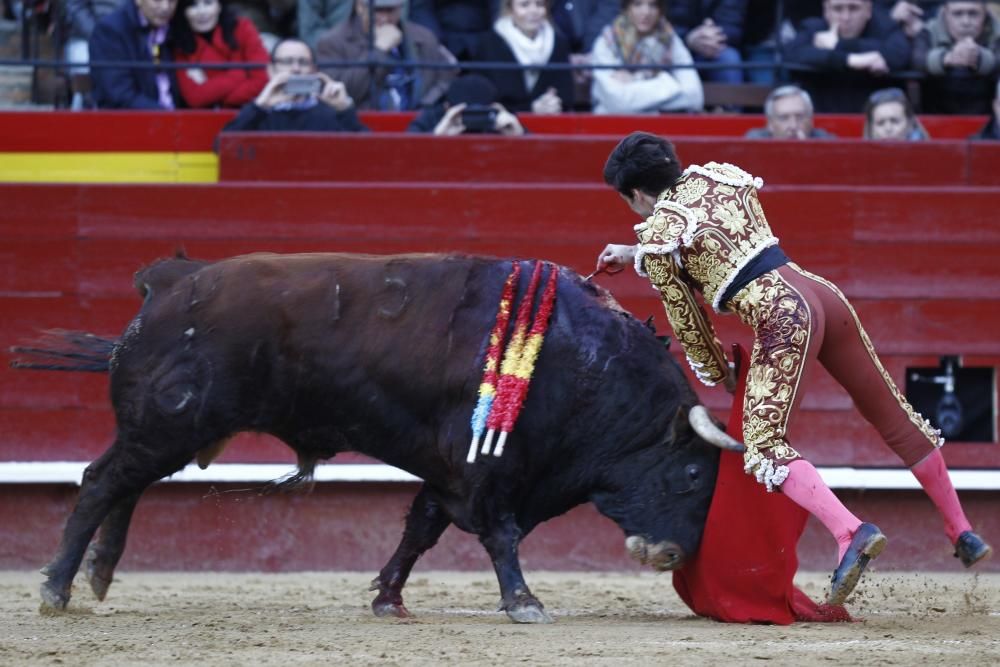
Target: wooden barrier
<point x="923" y="283"/>
<point x="101" y="131"/>
<point x="580" y="159"/>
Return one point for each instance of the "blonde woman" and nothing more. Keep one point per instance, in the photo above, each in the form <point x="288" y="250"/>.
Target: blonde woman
<point x="641" y="35"/>
<point x="523" y="34"/>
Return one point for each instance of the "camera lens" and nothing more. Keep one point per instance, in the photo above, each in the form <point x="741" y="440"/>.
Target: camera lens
<point x="949" y="416"/>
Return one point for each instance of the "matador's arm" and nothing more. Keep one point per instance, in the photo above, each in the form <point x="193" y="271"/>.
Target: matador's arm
<point x="688" y="319"/>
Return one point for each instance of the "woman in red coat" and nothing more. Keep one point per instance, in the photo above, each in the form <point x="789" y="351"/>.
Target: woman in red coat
<point x="206" y="31"/>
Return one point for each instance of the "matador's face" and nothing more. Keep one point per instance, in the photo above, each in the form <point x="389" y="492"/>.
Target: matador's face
<point x="641" y="203"/>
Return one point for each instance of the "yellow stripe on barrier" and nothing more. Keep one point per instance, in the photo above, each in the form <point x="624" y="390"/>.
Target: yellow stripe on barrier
<point x="86" y="167"/>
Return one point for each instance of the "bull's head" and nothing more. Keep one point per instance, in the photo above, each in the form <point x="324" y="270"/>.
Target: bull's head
<point x="660" y="495"/>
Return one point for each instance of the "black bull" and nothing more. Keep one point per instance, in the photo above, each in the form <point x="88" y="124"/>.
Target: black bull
<point x="383" y="355"/>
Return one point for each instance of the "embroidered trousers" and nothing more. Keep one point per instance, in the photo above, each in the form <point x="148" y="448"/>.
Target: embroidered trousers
<point x="797" y="318"/>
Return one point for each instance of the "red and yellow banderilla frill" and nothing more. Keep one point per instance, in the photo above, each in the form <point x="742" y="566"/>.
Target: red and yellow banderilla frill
<point x="487" y="388"/>
<point x="520" y="377"/>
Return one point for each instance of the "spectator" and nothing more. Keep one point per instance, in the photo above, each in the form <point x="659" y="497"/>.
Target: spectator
<point x="789" y="112"/>
<point x="208" y="31"/>
<point x="959" y="50"/>
<point x="523" y="35"/>
<point x="910" y="16"/>
<point x="641" y="35"/>
<point x="274" y="19"/>
<point x="470" y="107"/>
<point x="318" y="16"/>
<point x="79" y="19"/>
<point x="398" y="86"/>
<point x="581" y="22"/>
<point x="713" y="32"/>
<point x="135" y="32"/>
<point x="277" y="109"/>
<point x="458" y="24"/>
<point x="889" y="116"/>
<point x="991" y="131"/>
<point x="762" y="36"/>
<point x="853" y="49"/>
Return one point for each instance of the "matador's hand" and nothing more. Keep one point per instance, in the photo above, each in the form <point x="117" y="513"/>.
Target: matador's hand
<point x="615" y="257"/>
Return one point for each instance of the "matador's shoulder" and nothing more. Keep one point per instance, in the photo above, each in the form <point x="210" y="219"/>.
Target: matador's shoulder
<point x="725" y="173"/>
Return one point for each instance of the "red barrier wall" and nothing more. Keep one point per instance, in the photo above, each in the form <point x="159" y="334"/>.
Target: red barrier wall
<point x="580" y="159"/>
<point x="196" y="130"/>
<point x="922" y="287"/>
<point x="357" y="527"/>
<point x="918" y="261"/>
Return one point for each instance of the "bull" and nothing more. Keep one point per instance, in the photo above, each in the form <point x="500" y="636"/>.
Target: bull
<point x="383" y="355"/>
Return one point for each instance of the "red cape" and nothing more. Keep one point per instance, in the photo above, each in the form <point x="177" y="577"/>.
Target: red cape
<point x="744" y="568"/>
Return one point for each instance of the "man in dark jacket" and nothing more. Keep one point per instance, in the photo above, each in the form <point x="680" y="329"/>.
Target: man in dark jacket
<point x="398" y="87"/>
<point x="458" y="24"/>
<point x="991" y="132"/>
<point x="135" y="32"/>
<point x="713" y="32"/>
<point x="282" y="107"/>
<point x="853" y="49"/>
<point x="470" y="107"/>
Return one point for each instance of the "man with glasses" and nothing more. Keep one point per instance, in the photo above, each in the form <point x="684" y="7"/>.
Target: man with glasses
<point x="297" y="98"/>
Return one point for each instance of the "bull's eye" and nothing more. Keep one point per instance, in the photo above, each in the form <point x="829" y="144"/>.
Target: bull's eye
<point x="693" y="472"/>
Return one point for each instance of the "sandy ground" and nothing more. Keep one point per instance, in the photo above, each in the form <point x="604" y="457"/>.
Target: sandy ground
<point x="601" y="619"/>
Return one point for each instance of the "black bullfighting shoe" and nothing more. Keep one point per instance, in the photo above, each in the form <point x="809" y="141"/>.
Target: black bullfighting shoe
<point x="970" y="548"/>
<point x="867" y="543"/>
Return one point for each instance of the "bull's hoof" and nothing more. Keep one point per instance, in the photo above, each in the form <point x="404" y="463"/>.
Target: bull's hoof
<point x="528" y="612"/>
<point x="99" y="584"/>
<point x="53" y="599"/>
<point x="98" y="576"/>
<point x="387" y="609"/>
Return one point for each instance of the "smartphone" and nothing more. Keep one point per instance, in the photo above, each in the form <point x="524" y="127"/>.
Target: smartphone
<point x="479" y="118"/>
<point x="303" y="84"/>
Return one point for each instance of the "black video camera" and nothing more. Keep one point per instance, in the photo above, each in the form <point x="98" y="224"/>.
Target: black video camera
<point x="479" y="119"/>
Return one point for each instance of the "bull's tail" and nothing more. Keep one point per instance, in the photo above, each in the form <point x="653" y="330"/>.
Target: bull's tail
<point x="300" y="480"/>
<point x="61" y="350"/>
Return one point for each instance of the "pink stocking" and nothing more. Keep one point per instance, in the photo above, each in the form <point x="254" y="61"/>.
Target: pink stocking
<point x="808" y="490"/>
<point x="933" y="476"/>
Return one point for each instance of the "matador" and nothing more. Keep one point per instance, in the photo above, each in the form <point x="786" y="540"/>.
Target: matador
<point x="705" y="231"/>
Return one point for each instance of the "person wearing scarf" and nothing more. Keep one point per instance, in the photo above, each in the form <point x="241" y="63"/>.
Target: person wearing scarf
<point x="641" y="35"/>
<point x="523" y="34"/>
<point x="208" y="31"/>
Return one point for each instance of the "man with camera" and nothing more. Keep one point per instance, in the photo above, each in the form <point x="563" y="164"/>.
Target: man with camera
<point x="470" y="107"/>
<point x="297" y="98"/>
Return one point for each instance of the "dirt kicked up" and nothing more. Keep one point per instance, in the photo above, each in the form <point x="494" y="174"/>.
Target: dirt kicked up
<point x="601" y="619"/>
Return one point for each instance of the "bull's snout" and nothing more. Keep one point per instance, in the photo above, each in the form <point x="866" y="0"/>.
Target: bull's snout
<point x="659" y="555"/>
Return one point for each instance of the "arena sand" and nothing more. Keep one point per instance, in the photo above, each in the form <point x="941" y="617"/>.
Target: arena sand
<point x="214" y="619"/>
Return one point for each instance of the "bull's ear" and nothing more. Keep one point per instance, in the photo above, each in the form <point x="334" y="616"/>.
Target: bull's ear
<point x="680" y="426"/>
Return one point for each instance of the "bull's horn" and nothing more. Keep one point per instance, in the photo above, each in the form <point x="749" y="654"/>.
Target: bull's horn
<point x="703" y="425"/>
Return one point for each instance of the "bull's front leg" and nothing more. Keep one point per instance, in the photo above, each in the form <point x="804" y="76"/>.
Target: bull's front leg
<point x="425" y="523"/>
<point x="517" y="599"/>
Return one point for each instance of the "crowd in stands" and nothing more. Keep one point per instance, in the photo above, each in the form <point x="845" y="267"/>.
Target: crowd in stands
<point x="846" y="56"/>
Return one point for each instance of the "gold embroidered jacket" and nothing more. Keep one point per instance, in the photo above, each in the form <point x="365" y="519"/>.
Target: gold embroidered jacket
<point x="703" y="231"/>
